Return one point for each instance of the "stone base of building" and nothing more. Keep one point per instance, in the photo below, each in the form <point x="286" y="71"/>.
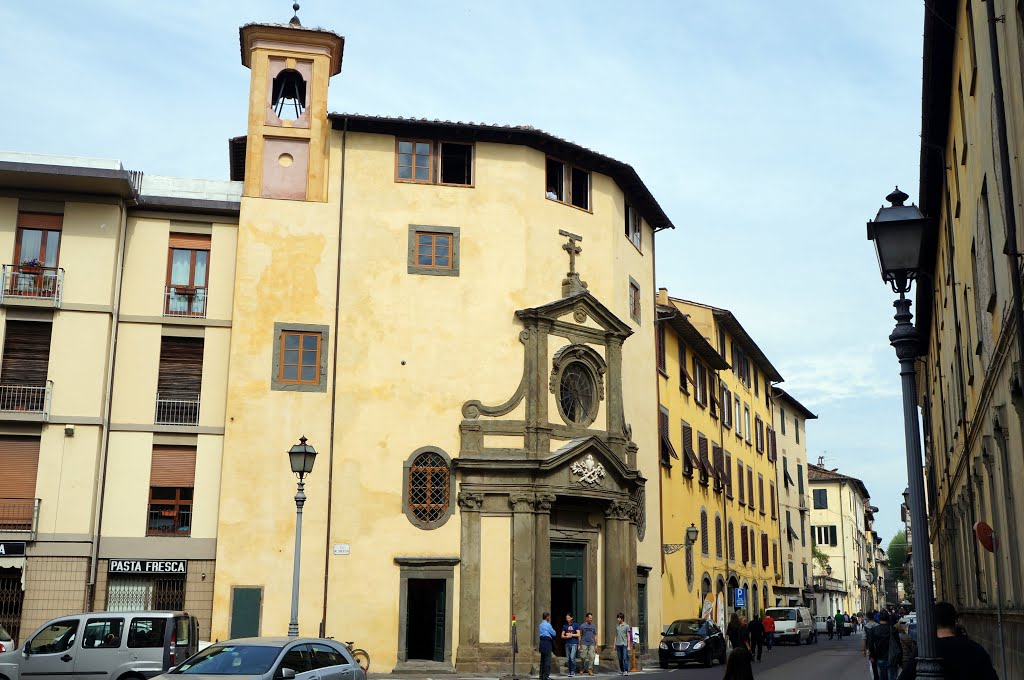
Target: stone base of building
<point x="983" y="629"/>
<point x="496" y="658"/>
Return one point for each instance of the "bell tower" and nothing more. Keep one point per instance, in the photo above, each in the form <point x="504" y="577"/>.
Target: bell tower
<point x="286" y="149"/>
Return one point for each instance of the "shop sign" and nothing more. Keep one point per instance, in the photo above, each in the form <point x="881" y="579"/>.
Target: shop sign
<point x="16" y="549"/>
<point x="147" y="567"/>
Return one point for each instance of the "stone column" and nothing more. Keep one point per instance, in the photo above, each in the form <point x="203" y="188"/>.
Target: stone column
<point x="523" y="546"/>
<point x="469" y="580"/>
<point x="616" y="418"/>
<point x="619" y="569"/>
<point x="1011" y="590"/>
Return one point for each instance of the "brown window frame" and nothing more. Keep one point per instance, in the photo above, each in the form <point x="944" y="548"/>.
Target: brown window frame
<point x="316" y="364"/>
<point x="434" y="162"/>
<point x="48" y="225"/>
<point x="168" y="299"/>
<point x="433" y="250"/>
<point x="177" y="504"/>
<point x="567" y="184"/>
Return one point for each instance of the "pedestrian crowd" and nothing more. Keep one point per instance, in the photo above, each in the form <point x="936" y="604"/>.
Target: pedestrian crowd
<point x="890" y="648"/>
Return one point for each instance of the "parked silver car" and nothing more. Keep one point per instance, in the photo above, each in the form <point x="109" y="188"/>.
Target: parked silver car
<point x="271" y="658"/>
<point x="6" y="641"/>
<point x="103" y="646"/>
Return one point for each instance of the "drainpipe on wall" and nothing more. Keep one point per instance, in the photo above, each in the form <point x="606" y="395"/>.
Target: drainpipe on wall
<point x="725" y="489"/>
<point x="1010" y="247"/>
<point x="101" y="473"/>
<point x="334" y="385"/>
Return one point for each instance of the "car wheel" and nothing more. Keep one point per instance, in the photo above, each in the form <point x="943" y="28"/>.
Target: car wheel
<point x="708" y="659"/>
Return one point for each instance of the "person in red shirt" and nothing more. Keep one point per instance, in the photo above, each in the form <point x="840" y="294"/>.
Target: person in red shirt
<point x="769" y="631"/>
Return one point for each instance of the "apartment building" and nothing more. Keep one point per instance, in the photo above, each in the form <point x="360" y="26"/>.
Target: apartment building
<point x="841" y="525"/>
<point x="718" y="457"/>
<point x="790" y="424"/>
<point x="115" y="305"/>
<point x="970" y="310"/>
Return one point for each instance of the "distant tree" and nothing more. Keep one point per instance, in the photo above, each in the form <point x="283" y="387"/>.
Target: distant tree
<point x="897" y="554"/>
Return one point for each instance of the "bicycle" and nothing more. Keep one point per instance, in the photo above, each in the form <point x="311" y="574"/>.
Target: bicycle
<point x="360" y="655"/>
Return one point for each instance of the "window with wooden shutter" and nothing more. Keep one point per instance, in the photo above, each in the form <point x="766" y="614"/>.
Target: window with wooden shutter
<point x="171" y="481"/>
<point x="771" y="489"/>
<point x="689" y="457"/>
<point x="732" y="542"/>
<point x="760" y="492"/>
<point x="668" y="452"/>
<point x="832" y="536"/>
<point x="188" y="274"/>
<point x="684" y="375"/>
<point x="718" y="537"/>
<point x="719" y="461"/>
<point x="739" y="476"/>
<point x="19" y="466"/>
<point x="728" y="474"/>
<point x="179" y="381"/>
<point x="750" y="487"/>
<point x="660" y="341"/>
<point x="705" y="464"/>
<point x="25" y="365"/>
<point x="764" y="551"/>
<point x="704" y="533"/>
<point x="744" y="547"/>
<point x="753" y="546"/>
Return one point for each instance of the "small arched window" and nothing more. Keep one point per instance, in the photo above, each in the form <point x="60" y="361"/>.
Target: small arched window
<point x="428" y="488"/>
<point x="288" y="97"/>
<point x="703" y="532"/>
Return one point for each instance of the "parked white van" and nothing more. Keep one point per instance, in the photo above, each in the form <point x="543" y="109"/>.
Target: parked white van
<point x="104" y="646"/>
<point x="793" y="624"/>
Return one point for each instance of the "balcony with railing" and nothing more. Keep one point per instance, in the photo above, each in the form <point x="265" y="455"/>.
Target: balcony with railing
<point x="185" y="301"/>
<point x="30" y="400"/>
<point x="22" y="282"/>
<point x="19" y="516"/>
<point x="176" y="409"/>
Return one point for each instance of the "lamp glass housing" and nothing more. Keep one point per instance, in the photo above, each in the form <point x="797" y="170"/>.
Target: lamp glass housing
<point x="899" y="233"/>
<point x="302" y="456"/>
<point x="692" y="532"/>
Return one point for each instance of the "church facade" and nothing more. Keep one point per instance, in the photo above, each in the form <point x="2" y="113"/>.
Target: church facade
<point x="461" y="320"/>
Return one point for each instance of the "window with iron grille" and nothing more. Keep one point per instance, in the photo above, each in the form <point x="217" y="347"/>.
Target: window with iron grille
<point x="142" y="592"/>
<point x="428" y="488"/>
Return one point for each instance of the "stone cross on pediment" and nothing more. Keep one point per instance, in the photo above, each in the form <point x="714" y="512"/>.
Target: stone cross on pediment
<point x="572" y="284"/>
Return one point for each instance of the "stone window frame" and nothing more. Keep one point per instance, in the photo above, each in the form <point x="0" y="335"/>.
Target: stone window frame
<point x="414" y="268"/>
<point x="593" y="363"/>
<point x="439" y="568"/>
<point x="283" y="326"/>
<point x="449" y="511"/>
<point x="634" y="300"/>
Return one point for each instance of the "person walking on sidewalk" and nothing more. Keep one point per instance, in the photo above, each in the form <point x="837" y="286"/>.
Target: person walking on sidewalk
<point x="756" y="630"/>
<point x="546" y="635"/>
<point x="840" y="620"/>
<point x="830" y="626"/>
<point x="732" y="631"/>
<point x="623" y="642"/>
<point x="769" y="630"/>
<point x="876" y="647"/>
<point x="571" y="635"/>
<point x="588" y="643"/>
<point x="738" y="666"/>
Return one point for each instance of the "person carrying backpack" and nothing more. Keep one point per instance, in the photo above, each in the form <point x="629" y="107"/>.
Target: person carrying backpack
<point x="877" y="644"/>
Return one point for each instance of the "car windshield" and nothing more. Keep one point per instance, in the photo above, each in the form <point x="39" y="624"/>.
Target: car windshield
<point x="783" y="614"/>
<point x="230" y="660"/>
<point x="685" y="627"/>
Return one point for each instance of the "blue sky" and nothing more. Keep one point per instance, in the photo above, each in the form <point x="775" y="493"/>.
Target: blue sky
<point x="769" y="131"/>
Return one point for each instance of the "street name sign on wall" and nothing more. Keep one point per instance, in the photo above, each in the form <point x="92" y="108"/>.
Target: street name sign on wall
<point x="12" y="549"/>
<point x="147" y="567"/>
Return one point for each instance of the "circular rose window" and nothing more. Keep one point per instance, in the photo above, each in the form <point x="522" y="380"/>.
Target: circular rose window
<point x="577" y="395"/>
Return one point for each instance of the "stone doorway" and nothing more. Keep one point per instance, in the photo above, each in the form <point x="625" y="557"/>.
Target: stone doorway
<point x="425" y="631"/>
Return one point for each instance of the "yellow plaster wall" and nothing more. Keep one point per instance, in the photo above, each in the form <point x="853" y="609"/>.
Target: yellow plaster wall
<point x="78" y="363"/>
<point x="8" y="228"/>
<point x="495" y="578"/>
<point x="129" y="458"/>
<point x="145" y="266"/>
<point x="135" y="374"/>
<point x="88" y="252"/>
<point x="65" y="483"/>
<point x="206" y="501"/>
<point x="223" y="245"/>
<point x="216" y="354"/>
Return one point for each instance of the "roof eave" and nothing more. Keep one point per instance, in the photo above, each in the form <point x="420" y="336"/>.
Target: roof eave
<point x="692" y="337"/>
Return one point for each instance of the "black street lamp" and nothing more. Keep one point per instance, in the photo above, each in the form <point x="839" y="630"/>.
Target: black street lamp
<point x="899" y="232"/>
<point x="301" y="456"/>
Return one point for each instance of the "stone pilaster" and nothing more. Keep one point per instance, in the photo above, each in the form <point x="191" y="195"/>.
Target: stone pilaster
<point x="542" y="554"/>
<point x="619" y="567"/>
<point x="523" y="547"/>
<point x="469" y="581"/>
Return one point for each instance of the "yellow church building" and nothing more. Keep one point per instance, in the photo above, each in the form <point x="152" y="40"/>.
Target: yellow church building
<point x="719" y="506"/>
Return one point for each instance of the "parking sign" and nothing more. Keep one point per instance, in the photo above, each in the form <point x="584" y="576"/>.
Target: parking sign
<point x="741" y="597"/>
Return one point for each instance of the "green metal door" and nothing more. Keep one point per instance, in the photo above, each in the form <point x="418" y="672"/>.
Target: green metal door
<point x="567" y="580"/>
<point x="439" y="621"/>
<point x="641" y="594"/>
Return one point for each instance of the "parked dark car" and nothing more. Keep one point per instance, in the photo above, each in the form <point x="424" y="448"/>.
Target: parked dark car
<point x="691" y="640"/>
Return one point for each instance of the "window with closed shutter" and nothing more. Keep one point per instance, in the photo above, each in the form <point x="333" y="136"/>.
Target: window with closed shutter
<point x="660" y="340"/>
<point x="702" y="452"/>
<point x="718" y="537"/>
<point x="668" y="451"/>
<point x="732" y="542"/>
<point x="689" y="458"/>
<point x="19" y="466"/>
<point x="753" y="547"/>
<point x="728" y="474"/>
<point x="750" y="487"/>
<point x="764" y="551"/>
<point x="771" y="489"/>
<point x="25" y="365"/>
<point x="739" y="476"/>
<point x="704" y="533"/>
<point x="180" y="381"/>
<point x="743" y="544"/>
<point x="760" y="493"/>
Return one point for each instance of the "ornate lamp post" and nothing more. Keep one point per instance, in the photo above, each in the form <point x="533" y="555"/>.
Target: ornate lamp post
<point x="691" y="534"/>
<point x="899" y="232"/>
<point x="301" y="456"/>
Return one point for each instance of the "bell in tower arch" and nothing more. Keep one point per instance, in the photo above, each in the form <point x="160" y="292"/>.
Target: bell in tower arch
<point x="288" y="94"/>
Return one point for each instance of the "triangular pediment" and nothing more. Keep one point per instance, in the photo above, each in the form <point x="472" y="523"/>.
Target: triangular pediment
<point x="579" y="303"/>
<point x="594" y="461"/>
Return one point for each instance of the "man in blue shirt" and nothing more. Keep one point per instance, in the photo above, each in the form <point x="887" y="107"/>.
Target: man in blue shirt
<point x="571" y="635"/>
<point x="546" y="633"/>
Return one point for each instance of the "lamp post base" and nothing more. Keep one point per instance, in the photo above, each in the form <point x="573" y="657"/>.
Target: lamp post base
<point x="929" y="668"/>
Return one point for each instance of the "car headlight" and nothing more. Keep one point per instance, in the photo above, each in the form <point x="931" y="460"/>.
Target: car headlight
<point x="663" y="646"/>
<point x="699" y="645"/>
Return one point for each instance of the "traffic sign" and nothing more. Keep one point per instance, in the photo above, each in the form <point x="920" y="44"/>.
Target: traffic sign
<point x="741" y="597"/>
